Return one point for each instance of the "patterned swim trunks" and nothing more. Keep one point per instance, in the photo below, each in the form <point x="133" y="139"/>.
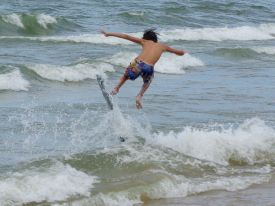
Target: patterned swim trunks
<point x="137" y="68"/>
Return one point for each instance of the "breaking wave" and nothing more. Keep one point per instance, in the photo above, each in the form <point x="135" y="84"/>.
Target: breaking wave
<point x="242" y="33"/>
<point x="13" y="81"/>
<point x="30" y="24"/>
<point x="265" y="50"/>
<point x="171" y="64"/>
<point x="83" y="38"/>
<point x="251" y="142"/>
<point x="175" y="164"/>
<point x="13" y="19"/>
<point x="56" y="183"/>
<point x="22" y="20"/>
<point x="73" y="73"/>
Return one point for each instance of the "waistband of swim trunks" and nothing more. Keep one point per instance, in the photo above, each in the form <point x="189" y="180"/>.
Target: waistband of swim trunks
<point x="138" y="61"/>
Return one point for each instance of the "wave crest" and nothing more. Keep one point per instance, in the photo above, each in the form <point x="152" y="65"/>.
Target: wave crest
<point x="242" y="33"/>
<point x="56" y="183"/>
<point x="22" y="20"/>
<point x="29" y="23"/>
<point x="13" y="19"/>
<point x="252" y="142"/>
<point x="265" y="50"/>
<point x="72" y="73"/>
<point x="13" y="81"/>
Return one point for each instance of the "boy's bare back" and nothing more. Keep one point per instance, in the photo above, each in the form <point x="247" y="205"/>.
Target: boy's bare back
<point x="151" y="51"/>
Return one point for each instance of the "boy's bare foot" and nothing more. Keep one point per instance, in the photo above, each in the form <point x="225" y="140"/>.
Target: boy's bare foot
<point x="138" y="102"/>
<point x="115" y="91"/>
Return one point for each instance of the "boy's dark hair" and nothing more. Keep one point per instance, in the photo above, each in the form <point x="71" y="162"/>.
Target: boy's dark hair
<point x="150" y="34"/>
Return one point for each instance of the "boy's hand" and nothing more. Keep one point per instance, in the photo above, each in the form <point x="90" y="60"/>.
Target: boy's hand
<point x="104" y="33"/>
<point x="181" y="53"/>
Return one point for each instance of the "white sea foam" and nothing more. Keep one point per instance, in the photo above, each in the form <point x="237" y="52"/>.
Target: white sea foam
<point x="251" y="142"/>
<point x="242" y="33"/>
<point x="14" y="19"/>
<point x="122" y="59"/>
<point x="44" y="20"/>
<point x="265" y="50"/>
<point x="73" y="73"/>
<point x="136" y="13"/>
<point x="172" y="64"/>
<point x="56" y="183"/>
<point x="168" y="63"/>
<point x="83" y="38"/>
<point x="171" y="187"/>
<point x="13" y="81"/>
<point x="87" y="38"/>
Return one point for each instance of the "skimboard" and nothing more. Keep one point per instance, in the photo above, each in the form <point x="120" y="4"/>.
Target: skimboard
<point x="105" y="94"/>
<point x="107" y="97"/>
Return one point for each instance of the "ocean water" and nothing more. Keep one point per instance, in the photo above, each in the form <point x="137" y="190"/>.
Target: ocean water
<point x="206" y="134"/>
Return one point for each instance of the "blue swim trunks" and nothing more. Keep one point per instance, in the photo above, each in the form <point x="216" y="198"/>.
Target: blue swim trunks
<point x="137" y="68"/>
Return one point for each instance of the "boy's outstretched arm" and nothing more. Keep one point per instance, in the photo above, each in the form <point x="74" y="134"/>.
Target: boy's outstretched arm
<point x="123" y="36"/>
<point x="175" y="51"/>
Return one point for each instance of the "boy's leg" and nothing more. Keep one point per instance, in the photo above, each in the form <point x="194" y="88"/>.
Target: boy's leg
<point x="145" y="86"/>
<point x="121" y="82"/>
<point x="128" y="74"/>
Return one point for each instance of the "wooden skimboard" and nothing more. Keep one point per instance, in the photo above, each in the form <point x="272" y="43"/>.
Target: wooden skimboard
<point x="105" y="94"/>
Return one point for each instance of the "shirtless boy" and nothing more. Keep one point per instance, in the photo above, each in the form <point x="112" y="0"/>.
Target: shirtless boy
<point x="144" y="63"/>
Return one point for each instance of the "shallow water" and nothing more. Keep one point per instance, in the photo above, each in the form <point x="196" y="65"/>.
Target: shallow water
<point x="206" y="131"/>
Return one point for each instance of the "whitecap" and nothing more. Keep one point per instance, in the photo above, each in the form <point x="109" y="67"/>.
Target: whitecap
<point x="82" y="38"/>
<point x="72" y="73"/>
<point x="56" y="183"/>
<point x="172" y="64"/>
<point x="14" y="19"/>
<point x="44" y="20"/>
<point x="265" y="50"/>
<point x="242" y="33"/>
<point x="251" y="142"/>
<point x="13" y="81"/>
<point x="136" y="13"/>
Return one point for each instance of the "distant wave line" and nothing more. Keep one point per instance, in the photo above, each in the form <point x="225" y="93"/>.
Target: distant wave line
<point x="242" y="33"/>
